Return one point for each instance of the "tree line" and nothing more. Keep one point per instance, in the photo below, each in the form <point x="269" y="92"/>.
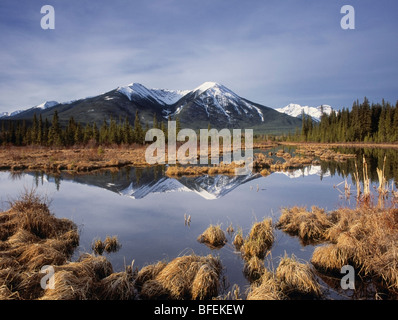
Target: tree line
<point x="365" y="122"/>
<point x="45" y="133"/>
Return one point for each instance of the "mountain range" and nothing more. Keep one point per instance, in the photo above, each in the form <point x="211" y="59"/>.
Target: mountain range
<point x="295" y="110"/>
<point x="209" y="104"/>
<point x="138" y="183"/>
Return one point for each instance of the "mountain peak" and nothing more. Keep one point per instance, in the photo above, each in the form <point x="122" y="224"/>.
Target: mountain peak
<point x="208" y="85"/>
<point x="47" y="104"/>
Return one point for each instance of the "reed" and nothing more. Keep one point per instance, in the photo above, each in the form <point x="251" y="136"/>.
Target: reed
<point x="112" y="244"/>
<point x="98" y="246"/>
<point x="238" y="240"/>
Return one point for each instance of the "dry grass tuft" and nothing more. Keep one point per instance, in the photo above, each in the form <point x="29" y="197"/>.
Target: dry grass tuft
<point x="98" y="246"/>
<point x="365" y="238"/>
<point x="148" y="273"/>
<point x="213" y="237"/>
<point x="118" y="286"/>
<point x="110" y="244"/>
<point x="187" y="277"/>
<point x="238" y="240"/>
<point x="254" y="269"/>
<point x="266" y="289"/>
<point x="68" y="286"/>
<point x="259" y="240"/>
<point x="330" y="258"/>
<point x="309" y="226"/>
<point x="296" y="277"/>
<point x="206" y="282"/>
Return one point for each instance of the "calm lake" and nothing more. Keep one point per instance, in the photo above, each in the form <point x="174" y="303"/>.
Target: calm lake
<point x="146" y="209"/>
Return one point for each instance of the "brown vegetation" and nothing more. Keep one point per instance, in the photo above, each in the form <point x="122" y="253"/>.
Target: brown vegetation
<point x="213" y="236"/>
<point x="259" y="240"/>
<point x="365" y="238"/>
<point x="342" y="144"/>
<point x="32" y="238"/>
<point x="109" y="245"/>
<point x="186" y="277"/>
<point x="222" y="168"/>
<point x="292" y="279"/>
<point x="267" y="288"/>
<point x="309" y="226"/>
<point x="72" y="159"/>
<point x="297" y="278"/>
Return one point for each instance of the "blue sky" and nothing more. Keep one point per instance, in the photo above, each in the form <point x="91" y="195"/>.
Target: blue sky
<point x="273" y="52"/>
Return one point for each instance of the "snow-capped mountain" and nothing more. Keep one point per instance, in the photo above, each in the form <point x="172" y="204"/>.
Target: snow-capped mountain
<point x="207" y="187"/>
<point x="296" y="110"/>
<point x="161" y="96"/>
<point x="47" y="104"/>
<point x="42" y="106"/>
<point x="210" y="103"/>
<point x="305" y="172"/>
<point x="150" y="182"/>
<point x="214" y="98"/>
<point x="10" y="114"/>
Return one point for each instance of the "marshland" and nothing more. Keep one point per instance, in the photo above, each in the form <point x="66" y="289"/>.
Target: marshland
<point x="282" y="232"/>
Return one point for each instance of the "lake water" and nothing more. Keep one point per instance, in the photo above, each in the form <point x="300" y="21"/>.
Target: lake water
<point x="146" y="210"/>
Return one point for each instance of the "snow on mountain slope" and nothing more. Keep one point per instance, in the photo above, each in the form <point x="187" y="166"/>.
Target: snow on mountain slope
<point x="47" y="104"/>
<point x="295" y="110"/>
<point x="208" y="95"/>
<point x="207" y="187"/>
<point x="162" y="96"/>
<point x="220" y="97"/>
<point x="44" y="105"/>
<point x="161" y="186"/>
<point x="305" y="172"/>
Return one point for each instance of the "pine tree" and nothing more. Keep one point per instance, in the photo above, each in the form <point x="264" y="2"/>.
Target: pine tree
<point x="138" y="132"/>
<point x="395" y="122"/>
<point x="95" y="133"/>
<point x="381" y="133"/>
<point x="34" y="130"/>
<point x="46" y="130"/>
<point x="79" y="134"/>
<point x="87" y="134"/>
<point x="178" y="125"/>
<point x="112" y="137"/>
<point x="55" y="131"/>
<point x="70" y="132"/>
<point x="40" y="131"/>
<point x="126" y="132"/>
<point x="155" y="124"/>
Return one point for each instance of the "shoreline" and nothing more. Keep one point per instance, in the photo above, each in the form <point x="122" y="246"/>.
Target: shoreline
<point x="80" y="159"/>
<point x="89" y="159"/>
<point x="343" y="144"/>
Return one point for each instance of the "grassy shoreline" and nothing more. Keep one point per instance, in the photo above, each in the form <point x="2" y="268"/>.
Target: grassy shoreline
<point x="79" y="159"/>
<point x="343" y="144"/>
<point x="32" y="237"/>
<point x="87" y="159"/>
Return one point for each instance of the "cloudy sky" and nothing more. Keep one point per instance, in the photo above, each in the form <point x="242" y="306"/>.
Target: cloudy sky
<point x="273" y="52"/>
